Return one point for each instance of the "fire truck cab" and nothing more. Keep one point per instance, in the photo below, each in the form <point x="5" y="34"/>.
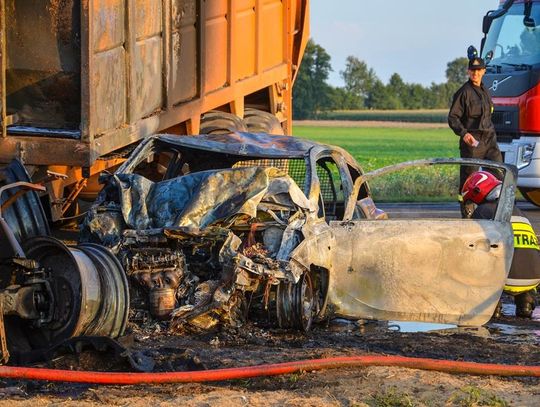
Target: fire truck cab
<point x="511" y="45"/>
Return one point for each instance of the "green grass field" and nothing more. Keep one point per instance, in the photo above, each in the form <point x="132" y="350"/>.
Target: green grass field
<point x="413" y="116"/>
<point x="378" y="147"/>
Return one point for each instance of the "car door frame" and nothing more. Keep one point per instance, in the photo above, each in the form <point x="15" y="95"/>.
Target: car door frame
<point x="380" y="273"/>
<point x="345" y="176"/>
<point x="506" y="200"/>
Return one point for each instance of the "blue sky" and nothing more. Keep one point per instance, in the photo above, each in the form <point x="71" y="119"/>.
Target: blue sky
<point x="414" y="38"/>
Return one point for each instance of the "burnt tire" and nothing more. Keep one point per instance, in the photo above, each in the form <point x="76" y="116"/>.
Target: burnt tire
<point x="259" y="121"/>
<point x="26" y="216"/>
<point x="531" y="194"/>
<point x="216" y="122"/>
<point x="295" y="304"/>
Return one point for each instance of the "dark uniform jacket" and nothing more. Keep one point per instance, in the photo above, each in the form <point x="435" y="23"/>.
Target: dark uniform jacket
<point x="525" y="269"/>
<point x="471" y="111"/>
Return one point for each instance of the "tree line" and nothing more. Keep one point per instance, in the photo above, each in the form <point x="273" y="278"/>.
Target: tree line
<point x="313" y="96"/>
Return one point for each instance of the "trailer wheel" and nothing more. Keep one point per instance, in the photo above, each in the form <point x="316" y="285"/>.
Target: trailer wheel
<point x="90" y="289"/>
<point x="531" y="194"/>
<point x="259" y="121"/>
<point x="216" y="122"/>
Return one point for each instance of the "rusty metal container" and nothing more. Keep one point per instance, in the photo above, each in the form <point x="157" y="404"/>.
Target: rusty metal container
<point x="81" y="79"/>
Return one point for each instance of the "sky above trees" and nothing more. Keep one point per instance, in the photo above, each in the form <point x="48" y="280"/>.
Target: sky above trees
<point x="313" y="96"/>
<point x="415" y="38"/>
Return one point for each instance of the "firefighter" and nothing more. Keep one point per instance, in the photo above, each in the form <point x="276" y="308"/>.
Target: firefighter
<point x="470" y="119"/>
<point x="483" y="188"/>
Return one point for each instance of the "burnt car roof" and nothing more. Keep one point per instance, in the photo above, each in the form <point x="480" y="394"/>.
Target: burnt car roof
<point x="251" y="144"/>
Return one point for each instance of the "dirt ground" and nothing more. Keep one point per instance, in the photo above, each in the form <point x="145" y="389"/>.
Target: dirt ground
<point x="258" y="344"/>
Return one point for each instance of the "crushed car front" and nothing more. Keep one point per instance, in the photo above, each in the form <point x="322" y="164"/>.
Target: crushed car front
<point x="205" y="225"/>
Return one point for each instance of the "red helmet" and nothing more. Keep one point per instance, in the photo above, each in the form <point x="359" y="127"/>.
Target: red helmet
<point x="479" y="185"/>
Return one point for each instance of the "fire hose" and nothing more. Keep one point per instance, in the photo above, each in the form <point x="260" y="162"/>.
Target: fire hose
<point x="117" y="378"/>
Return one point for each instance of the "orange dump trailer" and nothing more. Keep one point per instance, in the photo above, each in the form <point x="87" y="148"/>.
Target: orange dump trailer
<point x="82" y="81"/>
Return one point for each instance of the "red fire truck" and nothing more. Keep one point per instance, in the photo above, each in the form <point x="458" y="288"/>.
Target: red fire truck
<point x="511" y="44"/>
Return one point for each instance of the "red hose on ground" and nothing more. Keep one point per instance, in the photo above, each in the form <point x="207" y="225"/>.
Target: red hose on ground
<point x="447" y="366"/>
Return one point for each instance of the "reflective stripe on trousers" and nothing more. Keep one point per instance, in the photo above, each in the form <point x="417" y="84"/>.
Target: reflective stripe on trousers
<point x="524" y="239"/>
<point x="524" y="236"/>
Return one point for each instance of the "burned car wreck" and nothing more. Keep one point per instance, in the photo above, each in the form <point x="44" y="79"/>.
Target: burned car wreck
<point x="199" y="222"/>
<point x="212" y="228"/>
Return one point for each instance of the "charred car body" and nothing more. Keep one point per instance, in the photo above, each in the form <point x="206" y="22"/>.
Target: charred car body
<point x="211" y="227"/>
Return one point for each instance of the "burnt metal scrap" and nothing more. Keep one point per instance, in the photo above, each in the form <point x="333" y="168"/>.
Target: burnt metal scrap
<point x="213" y="229"/>
<point x="196" y="244"/>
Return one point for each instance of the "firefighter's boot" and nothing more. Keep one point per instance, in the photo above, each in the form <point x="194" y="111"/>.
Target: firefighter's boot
<point x="525" y="304"/>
